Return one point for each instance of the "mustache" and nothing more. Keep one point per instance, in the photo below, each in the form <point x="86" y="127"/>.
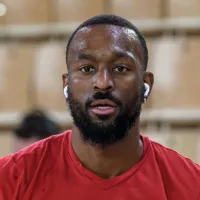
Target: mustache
<point x="102" y="96"/>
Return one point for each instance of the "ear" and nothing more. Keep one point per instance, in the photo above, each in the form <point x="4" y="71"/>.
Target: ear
<point x="65" y="80"/>
<point x="149" y="79"/>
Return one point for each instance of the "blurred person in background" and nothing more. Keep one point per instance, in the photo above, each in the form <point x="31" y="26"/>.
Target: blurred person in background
<point x="104" y="156"/>
<point x="35" y="126"/>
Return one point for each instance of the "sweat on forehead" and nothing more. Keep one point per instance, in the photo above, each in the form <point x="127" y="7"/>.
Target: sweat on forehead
<point x="100" y="36"/>
<point x="113" y="31"/>
<point x="107" y="19"/>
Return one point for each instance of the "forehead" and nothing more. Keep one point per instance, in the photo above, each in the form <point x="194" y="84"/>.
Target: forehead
<point x="102" y="38"/>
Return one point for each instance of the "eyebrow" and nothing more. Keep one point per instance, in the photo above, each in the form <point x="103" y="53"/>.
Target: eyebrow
<point x="117" y="54"/>
<point x="84" y="56"/>
<point x="120" y="54"/>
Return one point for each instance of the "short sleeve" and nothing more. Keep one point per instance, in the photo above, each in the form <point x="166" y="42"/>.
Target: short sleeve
<point x="11" y="179"/>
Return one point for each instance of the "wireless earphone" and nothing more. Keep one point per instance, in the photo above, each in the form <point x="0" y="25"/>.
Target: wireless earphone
<point x="147" y="89"/>
<point x="66" y="91"/>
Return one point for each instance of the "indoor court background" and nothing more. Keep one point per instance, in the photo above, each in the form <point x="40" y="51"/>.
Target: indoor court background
<point x="33" y="37"/>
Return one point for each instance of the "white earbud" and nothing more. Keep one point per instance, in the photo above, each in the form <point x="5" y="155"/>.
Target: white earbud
<point x="147" y="89"/>
<point x="66" y="91"/>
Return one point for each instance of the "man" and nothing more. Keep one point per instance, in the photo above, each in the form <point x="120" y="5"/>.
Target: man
<point x="35" y="126"/>
<point x="103" y="156"/>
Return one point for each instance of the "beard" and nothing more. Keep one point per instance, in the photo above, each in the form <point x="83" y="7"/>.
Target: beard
<point x="102" y="133"/>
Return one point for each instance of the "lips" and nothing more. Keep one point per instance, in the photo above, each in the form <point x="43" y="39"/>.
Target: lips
<point x="103" y="107"/>
<point x="104" y="102"/>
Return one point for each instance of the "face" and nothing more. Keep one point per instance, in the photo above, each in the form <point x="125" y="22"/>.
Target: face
<point x="105" y="82"/>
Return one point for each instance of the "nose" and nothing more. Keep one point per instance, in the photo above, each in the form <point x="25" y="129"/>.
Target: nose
<point x="103" y="81"/>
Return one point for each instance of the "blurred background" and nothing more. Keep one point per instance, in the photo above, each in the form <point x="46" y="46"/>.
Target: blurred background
<point x="33" y="37"/>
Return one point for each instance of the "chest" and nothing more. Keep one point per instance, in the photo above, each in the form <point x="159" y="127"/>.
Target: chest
<point x="91" y="192"/>
<point x="75" y="186"/>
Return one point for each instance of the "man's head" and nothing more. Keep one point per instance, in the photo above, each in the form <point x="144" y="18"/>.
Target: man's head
<point x="107" y="59"/>
<point x="36" y="124"/>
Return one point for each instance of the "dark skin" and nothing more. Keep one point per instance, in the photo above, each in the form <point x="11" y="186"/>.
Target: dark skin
<point x="107" y="58"/>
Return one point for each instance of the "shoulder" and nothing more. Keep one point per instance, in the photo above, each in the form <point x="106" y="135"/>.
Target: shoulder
<point x="174" y="159"/>
<point x="176" y="170"/>
<point x="35" y="151"/>
<point x="16" y="170"/>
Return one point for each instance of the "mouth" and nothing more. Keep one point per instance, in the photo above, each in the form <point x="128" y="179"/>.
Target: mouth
<point x="103" y="107"/>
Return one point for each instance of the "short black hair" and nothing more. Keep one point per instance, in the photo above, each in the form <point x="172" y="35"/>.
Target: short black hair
<point x="36" y="123"/>
<point x="111" y="20"/>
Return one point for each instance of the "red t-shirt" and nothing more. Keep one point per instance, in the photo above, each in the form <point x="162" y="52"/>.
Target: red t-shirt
<point x="49" y="170"/>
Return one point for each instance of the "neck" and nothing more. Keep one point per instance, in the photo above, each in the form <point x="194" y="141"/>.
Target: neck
<point x="112" y="160"/>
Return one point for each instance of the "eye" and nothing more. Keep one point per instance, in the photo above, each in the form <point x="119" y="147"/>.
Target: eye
<point x="121" y="68"/>
<point x="87" y="69"/>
